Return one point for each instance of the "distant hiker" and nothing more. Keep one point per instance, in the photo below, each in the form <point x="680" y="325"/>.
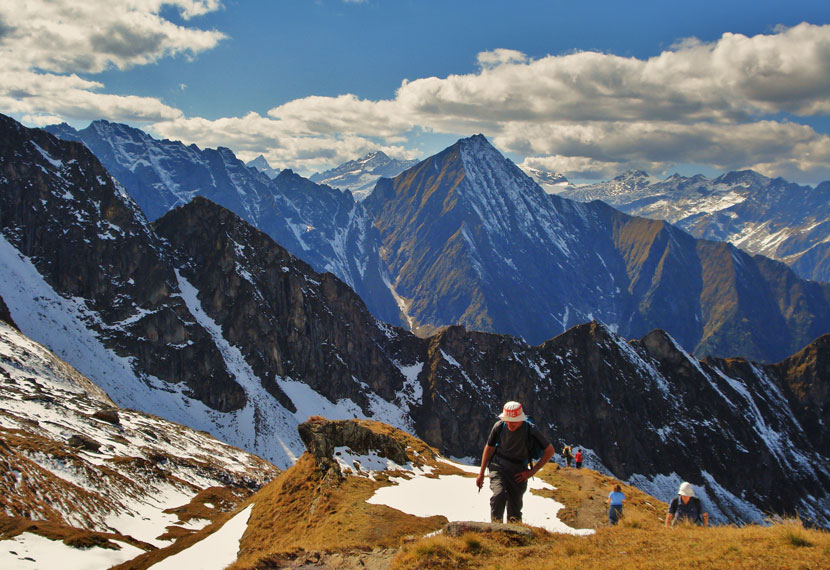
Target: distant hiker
<point x="686" y="507"/>
<point x="615" y="504"/>
<point x="509" y="452"/>
<point x="566" y="453"/>
<point x="578" y="459"/>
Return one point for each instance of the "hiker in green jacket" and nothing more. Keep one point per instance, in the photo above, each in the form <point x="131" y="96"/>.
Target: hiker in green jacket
<point x="508" y="454"/>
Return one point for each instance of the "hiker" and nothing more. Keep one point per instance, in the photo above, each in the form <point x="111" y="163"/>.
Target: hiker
<point x="578" y="459"/>
<point x="615" y="504"/>
<point x="566" y="453"/>
<point x="508" y="455"/>
<point x="686" y="507"/>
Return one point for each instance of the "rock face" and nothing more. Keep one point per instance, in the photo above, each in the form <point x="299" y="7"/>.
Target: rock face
<point x="287" y="320"/>
<point x="771" y="217"/>
<point x="321" y="437"/>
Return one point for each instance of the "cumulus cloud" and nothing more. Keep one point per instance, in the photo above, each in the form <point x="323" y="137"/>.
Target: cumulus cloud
<point x="71" y="97"/>
<point x="709" y="103"/>
<point x="65" y="36"/>
<point x="586" y="113"/>
<point x="284" y="143"/>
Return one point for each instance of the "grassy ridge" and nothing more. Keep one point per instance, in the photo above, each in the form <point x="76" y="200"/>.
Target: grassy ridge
<point x="640" y="541"/>
<point x="629" y="546"/>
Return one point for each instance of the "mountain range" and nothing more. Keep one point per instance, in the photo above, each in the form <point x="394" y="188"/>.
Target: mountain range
<point x="771" y="217"/>
<point x="204" y="320"/>
<point x="323" y="226"/>
<point x="465" y="237"/>
<point x="360" y="176"/>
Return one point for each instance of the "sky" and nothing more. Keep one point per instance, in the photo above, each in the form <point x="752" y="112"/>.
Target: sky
<point x="588" y="89"/>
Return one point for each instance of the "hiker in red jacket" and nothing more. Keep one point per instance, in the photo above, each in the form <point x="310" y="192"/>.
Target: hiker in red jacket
<point x="578" y="459"/>
<point x="508" y="454"/>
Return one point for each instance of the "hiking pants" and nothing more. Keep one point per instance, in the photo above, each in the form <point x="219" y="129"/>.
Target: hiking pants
<point x="614" y="513"/>
<point x="506" y="492"/>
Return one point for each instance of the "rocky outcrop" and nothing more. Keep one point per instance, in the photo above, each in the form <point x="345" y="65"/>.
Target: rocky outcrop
<point x="322" y="436"/>
<point x="5" y="315"/>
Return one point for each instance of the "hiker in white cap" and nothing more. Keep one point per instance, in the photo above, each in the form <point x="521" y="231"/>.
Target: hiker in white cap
<point x="686" y="507"/>
<point x="509" y="454"/>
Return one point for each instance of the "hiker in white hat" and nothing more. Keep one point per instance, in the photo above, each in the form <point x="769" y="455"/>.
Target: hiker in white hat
<point x="686" y="507"/>
<point x="509" y="454"/>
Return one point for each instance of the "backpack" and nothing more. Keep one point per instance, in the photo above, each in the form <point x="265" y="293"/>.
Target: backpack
<point x="534" y="448"/>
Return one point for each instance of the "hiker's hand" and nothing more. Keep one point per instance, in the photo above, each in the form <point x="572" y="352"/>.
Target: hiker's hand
<point x="480" y="480"/>
<point x="523" y="476"/>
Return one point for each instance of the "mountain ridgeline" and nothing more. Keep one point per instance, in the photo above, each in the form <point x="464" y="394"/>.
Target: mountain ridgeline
<point x="465" y="237"/>
<point x="203" y="319"/>
<point x="470" y="239"/>
<point x="321" y="225"/>
<point x="772" y="217"/>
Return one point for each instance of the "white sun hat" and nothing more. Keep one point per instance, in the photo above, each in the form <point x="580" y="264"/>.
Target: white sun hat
<point x="512" y="412"/>
<point x="686" y="489"/>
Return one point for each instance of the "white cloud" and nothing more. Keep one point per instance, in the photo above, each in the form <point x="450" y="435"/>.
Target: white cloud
<point x="285" y="143"/>
<point x="71" y="97"/>
<point x="501" y="56"/>
<point x="66" y="36"/>
<point x="712" y="103"/>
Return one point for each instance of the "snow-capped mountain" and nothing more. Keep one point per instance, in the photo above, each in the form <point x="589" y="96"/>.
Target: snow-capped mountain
<point x="770" y="217"/>
<point x="261" y="164"/>
<point x="321" y="225"/>
<point x="506" y="257"/>
<point x="550" y="181"/>
<point x="359" y="176"/>
<point x="227" y="332"/>
<point x="118" y="482"/>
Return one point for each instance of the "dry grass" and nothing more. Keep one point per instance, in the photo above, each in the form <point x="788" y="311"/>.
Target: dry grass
<point x="624" y="547"/>
<point x="639" y="541"/>
<point x="584" y="492"/>
<point x="308" y="509"/>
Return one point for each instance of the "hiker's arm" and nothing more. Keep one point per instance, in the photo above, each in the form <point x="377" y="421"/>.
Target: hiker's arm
<point x="485" y="460"/>
<point x="669" y="517"/>
<point x="705" y="517"/>
<point x="541" y="463"/>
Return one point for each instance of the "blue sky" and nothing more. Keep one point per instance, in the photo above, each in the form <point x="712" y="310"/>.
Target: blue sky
<point x="585" y="88"/>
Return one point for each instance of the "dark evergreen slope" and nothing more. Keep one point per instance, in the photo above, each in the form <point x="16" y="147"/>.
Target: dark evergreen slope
<point x="470" y="239"/>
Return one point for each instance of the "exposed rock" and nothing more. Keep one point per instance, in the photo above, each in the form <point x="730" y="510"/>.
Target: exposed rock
<point x="109" y="415"/>
<point x="89" y="241"/>
<point x="459" y="528"/>
<point x="83" y="442"/>
<point x="5" y="315"/>
<point x="321" y="436"/>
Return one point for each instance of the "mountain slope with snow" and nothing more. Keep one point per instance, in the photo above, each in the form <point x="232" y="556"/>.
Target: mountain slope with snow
<point x="765" y="216"/>
<point x="470" y="239"/>
<point x="285" y="343"/>
<point x="360" y="176"/>
<point x="321" y="225"/>
<point x="74" y="460"/>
